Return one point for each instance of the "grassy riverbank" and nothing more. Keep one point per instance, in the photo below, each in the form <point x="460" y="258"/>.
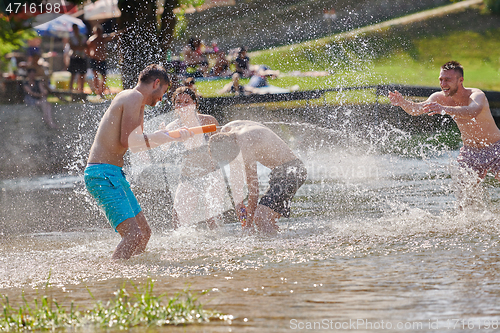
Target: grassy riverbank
<point x="406" y="53"/>
<point x="141" y="307"/>
<point x="408" y="50"/>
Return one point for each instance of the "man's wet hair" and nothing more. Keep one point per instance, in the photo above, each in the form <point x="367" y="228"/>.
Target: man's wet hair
<point x="453" y="65"/>
<point x="185" y="90"/>
<point x="224" y="147"/>
<point x="153" y="72"/>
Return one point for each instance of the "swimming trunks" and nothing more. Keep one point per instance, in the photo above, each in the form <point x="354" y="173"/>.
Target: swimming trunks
<point x="99" y="66"/>
<point x="284" y="181"/>
<point x="108" y="185"/>
<point x="481" y="160"/>
<point x="77" y="65"/>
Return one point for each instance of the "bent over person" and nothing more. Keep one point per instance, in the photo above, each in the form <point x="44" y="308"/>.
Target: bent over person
<point x="121" y="128"/>
<point x="258" y="143"/>
<point x="470" y="109"/>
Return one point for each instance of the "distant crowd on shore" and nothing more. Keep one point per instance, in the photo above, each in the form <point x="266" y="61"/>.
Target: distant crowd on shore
<point x="86" y="61"/>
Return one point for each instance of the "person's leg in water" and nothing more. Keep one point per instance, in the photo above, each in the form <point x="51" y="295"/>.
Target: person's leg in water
<point x="215" y="193"/>
<point x="47" y="113"/>
<point x="265" y="220"/>
<point x="468" y="176"/>
<point x="135" y="233"/>
<point x="467" y="185"/>
<point x="284" y="181"/>
<point x="185" y="202"/>
<point x="111" y="190"/>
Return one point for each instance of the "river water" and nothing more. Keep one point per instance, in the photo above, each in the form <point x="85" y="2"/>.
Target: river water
<point x="375" y="242"/>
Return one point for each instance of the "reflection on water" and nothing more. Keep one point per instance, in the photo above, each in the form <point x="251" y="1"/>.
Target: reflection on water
<point x="374" y="238"/>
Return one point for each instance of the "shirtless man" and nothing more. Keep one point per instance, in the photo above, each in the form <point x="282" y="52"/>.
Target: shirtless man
<point x="78" y="59"/>
<point x="97" y="52"/>
<point x="121" y="128"/>
<point x="258" y="143"/>
<point x="469" y="108"/>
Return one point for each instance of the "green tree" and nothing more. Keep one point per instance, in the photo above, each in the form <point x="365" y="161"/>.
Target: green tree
<point x="13" y="35"/>
<point x="493" y="6"/>
<point x="146" y="38"/>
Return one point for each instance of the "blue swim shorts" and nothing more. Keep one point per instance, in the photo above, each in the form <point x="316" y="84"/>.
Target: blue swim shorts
<point x="108" y="185"/>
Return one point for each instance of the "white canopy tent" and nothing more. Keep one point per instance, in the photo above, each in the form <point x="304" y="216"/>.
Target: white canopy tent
<point x="101" y="10"/>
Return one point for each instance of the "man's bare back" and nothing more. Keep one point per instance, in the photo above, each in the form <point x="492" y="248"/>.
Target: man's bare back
<point x="258" y="143"/>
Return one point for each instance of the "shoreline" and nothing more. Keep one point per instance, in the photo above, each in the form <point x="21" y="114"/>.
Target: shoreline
<point x="31" y="149"/>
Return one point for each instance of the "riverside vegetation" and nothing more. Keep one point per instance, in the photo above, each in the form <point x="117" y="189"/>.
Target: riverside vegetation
<point x="140" y="308"/>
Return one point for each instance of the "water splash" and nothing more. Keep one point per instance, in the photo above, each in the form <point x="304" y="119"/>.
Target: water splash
<point x="359" y="199"/>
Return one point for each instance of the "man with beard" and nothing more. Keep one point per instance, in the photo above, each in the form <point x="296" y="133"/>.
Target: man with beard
<point x="120" y="129"/>
<point x="469" y="108"/>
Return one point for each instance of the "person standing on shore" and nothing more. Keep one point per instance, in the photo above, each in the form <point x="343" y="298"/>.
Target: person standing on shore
<point x="120" y="129"/>
<point x="470" y="109"/>
<point x="96" y="46"/>
<point x="78" y="59"/>
<point x="35" y="94"/>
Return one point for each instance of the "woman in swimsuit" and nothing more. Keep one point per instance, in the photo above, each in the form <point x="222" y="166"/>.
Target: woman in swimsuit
<point x="201" y="178"/>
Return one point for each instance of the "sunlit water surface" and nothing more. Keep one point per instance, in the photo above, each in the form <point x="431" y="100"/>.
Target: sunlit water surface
<point x="375" y="242"/>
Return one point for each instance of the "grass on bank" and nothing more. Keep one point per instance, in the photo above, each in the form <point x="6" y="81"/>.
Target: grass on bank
<point x="141" y="308"/>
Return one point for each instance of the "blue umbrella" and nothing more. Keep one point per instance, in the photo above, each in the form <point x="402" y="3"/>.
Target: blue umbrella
<point x="61" y="26"/>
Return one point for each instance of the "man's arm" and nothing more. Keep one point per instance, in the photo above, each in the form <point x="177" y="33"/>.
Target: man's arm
<point x="412" y="108"/>
<point x="253" y="187"/>
<point x="476" y="105"/>
<point x="132" y="135"/>
<point x="91" y="40"/>
<point x="139" y="141"/>
<point x="108" y="38"/>
<point x="237" y="182"/>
